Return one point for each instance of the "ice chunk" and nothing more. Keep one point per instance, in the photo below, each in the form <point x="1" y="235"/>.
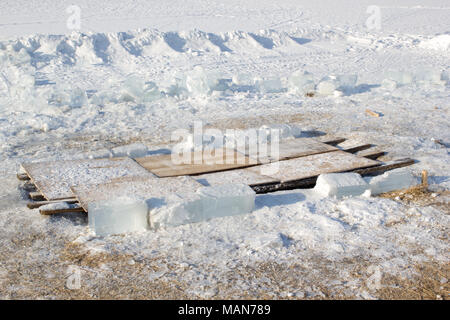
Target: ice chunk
<point x="243" y="79"/>
<point x="347" y="82"/>
<point x="175" y="209"/>
<point x="327" y="86"/>
<point x="117" y="216"/>
<point x="78" y="98"/>
<point x="340" y="184"/>
<point x="100" y="154"/>
<point x="285" y="131"/>
<point x="271" y="85"/>
<point x="227" y="200"/>
<point x="429" y="75"/>
<point x="389" y="84"/>
<point x="390" y="181"/>
<point x="134" y="150"/>
<point x="197" y="82"/>
<point x="136" y="89"/>
<point x="206" y="203"/>
<point x="401" y="78"/>
<point x="301" y="82"/>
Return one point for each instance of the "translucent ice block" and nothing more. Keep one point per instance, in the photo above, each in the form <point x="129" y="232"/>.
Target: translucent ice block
<point x="197" y="82"/>
<point x="272" y="85"/>
<point x="301" y="82"/>
<point x="326" y="88"/>
<point x="117" y="216"/>
<point x="340" y="184"/>
<point x="134" y="150"/>
<point x="390" y="181"/>
<point x="227" y="200"/>
<point x="206" y="203"/>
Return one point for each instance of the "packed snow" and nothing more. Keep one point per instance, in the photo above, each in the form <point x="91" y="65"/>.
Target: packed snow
<point x="137" y="71"/>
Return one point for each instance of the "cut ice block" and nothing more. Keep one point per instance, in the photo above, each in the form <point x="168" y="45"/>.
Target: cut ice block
<point x="347" y="82"/>
<point x="150" y="92"/>
<point x="78" y="98"/>
<point x="401" y="78"/>
<point x="197" y="82"/>
<point x="389" y="84"/>
<point x="243" y="79"/>
<point x="206" y="203"/>
<point x="390" y="181"/>
<point x="135" y="150"/>
<point x="227" y="200"/>
<point x="301" y="82"/>
<point x="272" y="85"/>
<point x="340" y="184"/>
<point x="429" y="75"/>
<point x="118" y="216"/>
<point x="326" y="88"/>
<point x="175" y="209"/>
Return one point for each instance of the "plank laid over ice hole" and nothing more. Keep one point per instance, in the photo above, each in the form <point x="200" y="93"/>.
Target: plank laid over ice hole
<point x="54" y="178"/>
<point x="313" y="165"/>
<point x="195" y="162"/>
<point x="288" y="149"/>
<point x="137" y="188"/>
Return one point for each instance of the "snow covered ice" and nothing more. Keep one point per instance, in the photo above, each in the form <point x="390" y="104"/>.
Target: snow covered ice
<point x="118" y="216"/>
<point x="340" y="184"/>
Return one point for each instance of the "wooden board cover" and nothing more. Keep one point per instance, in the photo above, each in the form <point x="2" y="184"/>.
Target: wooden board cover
<point x="313" y="165"/>
<point x="54" y="178"/>
<point x="195" y="163"/>
<point x="136" y="188"/>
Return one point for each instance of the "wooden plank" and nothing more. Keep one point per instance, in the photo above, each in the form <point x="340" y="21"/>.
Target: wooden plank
<point x="313" y="165"/>
<point x="70" y="209"/>
<point x="136" y="188"/>
<point x="329" y="139"/>
<point x="23" y="177"/>
<point x="287" y="149"/>
<point x="356" y="148"/>
<point x="385" y="167"/>
<point x="311" y="181"/>
<point x="37" y="204"/>
<point x="36" y="196"/>
<point x="371" y="154"/>
<point x="196" y="163"/>
<point x="54" y="178"/>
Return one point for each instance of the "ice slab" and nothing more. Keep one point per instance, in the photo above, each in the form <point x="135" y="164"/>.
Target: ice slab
<point x="197" y="82"/>
<point x="227" y="200"/>
<point x="301" y="82"/>
<point x="340" y="184"/>
<point x="347" y="82"/>
<point x="135" y="150"/>
<point x="400" y="77"/>
<point x="272" y="85"/>
<point x="390" y="181"/>
<point x="118" y="216"/>
<point x="206" y="203"/>
<point x="326" y="88"/>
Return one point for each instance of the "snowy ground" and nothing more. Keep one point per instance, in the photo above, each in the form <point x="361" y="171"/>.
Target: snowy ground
<point x="62" y="95"/>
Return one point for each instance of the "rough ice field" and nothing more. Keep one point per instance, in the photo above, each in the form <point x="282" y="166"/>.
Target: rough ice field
<point x="138" y="70"/>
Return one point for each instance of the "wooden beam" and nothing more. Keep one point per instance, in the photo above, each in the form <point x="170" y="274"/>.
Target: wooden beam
<point x="56" y="211"/>
<point x="37" y="204"/>
<point x="36" y="196"/>
<point x="23" y="177"/>
<point x="357" y="148"/>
